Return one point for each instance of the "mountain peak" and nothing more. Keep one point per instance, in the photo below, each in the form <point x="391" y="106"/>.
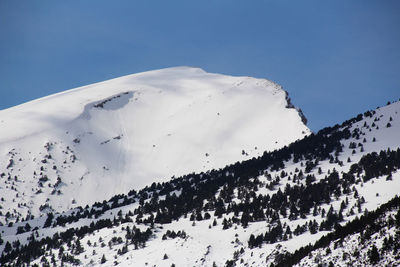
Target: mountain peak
<point x="125" y="133"/>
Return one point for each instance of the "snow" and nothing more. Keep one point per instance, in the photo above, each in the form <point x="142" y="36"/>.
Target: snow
<point x="110" y="137"/>
<point x="343" y="251"/>
<point x="153" y="125"/>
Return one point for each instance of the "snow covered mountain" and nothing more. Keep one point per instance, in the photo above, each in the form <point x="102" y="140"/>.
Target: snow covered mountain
<point x="90" y="143"/>
<point x="310" y="203"/>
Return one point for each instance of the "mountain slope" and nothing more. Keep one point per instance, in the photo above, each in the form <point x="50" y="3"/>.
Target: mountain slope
<point x="90" y="143"/>
<point x="253" y="213"/>
<point x="371" y="240"/>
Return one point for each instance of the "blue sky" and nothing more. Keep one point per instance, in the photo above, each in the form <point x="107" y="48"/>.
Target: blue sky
<point x="335" y="58"/>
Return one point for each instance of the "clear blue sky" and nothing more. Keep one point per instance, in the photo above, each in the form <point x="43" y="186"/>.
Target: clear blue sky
<point x="336" y="58"/>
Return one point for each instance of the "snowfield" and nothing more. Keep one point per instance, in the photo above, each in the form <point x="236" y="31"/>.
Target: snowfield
<point x="90" y="143"/>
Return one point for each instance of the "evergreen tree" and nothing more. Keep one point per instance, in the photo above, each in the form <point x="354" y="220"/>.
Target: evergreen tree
<point x="49" y="220"/>
<point x="373" y="255"/>
<point x="103" y="259"/>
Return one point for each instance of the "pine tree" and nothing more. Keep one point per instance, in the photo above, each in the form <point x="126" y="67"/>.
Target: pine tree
<point x="214" y="222"/>
<point x="373" y="255"/>
<point x="103" y="259"/>
<point x="78" y="247"/>
<point x="7" y="247"/>
<point x="245" y="219"/>
<point x="49" y="220"/>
